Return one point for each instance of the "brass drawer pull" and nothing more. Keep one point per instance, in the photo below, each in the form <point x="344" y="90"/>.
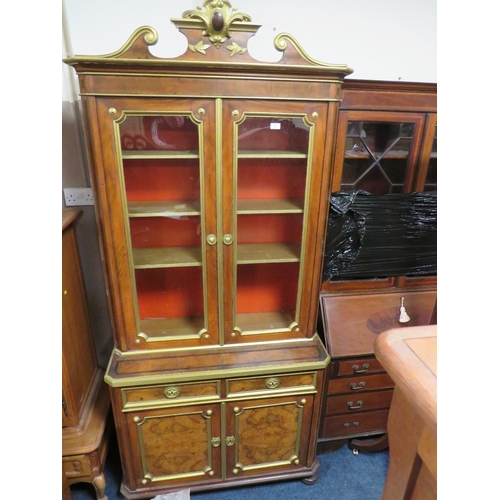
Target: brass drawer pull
<point x="172" y="392"/>
<point x="211" y="239"/>
<point x="272" y="383"/>
<point x="355" y="387"/>
<point x="355" y="368"/>
<point x="230" y="440"/>
<point x="351" y="407"/>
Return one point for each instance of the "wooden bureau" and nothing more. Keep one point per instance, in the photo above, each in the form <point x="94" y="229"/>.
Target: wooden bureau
<point x="359" y="391"/>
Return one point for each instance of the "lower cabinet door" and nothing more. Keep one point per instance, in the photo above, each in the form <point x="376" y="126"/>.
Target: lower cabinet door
<point x="268" y="436"/>
<point x="176" y="445"/>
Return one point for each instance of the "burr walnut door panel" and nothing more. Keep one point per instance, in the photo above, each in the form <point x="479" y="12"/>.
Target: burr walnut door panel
<point x="267" y="436"/>
<point x="175" y="445"/>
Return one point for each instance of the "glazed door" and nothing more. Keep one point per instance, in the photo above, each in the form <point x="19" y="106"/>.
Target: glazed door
<point x="270" y="435"/>
<point x="159" y="184"/>
<point x="175" y="446"/>
<point x="379" y="152"/>
<point x="384" y="154"/>
<point x="272" y="174"/>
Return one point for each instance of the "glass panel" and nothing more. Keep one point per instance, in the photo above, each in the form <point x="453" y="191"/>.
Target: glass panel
<point x="161" y="174"/>
<point x="376" y="155"/>
<point x="431" y="179"/>
<point x="271" y="187"/>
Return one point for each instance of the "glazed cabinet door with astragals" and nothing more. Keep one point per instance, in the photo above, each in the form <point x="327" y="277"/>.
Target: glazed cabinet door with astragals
<point x="217" y="220"/>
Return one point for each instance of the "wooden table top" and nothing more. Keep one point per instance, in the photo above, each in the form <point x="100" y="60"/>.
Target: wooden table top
<point x="410" y="357"/>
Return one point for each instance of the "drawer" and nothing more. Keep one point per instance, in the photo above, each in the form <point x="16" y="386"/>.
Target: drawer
<point x="273" y="384"/>
<point x="359" y="366"/>
<point x="160" y="395"/>
<point x="360" y="384"/>
<point x="343" y="425"/>
<point x="76" y="466"/>
<point x="351" y="403"/>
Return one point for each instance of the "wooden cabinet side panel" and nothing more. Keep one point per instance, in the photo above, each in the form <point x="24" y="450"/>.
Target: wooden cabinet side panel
<point x="79" y="358"/>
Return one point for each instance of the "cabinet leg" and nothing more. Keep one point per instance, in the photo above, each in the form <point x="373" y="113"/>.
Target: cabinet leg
<point x="99" y="483"/>
<point x="311" y="479"/>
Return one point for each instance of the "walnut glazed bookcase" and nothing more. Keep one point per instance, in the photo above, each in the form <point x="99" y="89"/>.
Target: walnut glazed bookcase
<point x="211" y="174"/>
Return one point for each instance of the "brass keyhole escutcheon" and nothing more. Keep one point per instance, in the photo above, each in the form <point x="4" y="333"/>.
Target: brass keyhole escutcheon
<point x="272" y="383"/>
<point x="211" y="239"/>
<point x="172" y="392"/>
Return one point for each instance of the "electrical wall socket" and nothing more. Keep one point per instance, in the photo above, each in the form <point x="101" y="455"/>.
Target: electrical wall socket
<point x="78" y="196"/>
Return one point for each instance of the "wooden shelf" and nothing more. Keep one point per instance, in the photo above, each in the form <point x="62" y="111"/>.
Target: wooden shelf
<point x="173" y="208"/>
<point x="161" y="257"/>
<point x="176" y="208"/>
<point x="158" y="154"/>
<point x="264" y="253"/>
<point x="268" y="321"/>
<point x="172" y="327"/>
<point x="270" y="207"/>
<point x="182" y="256"/>
<point x="393" y="155"/>
<point x="270" y="154"/>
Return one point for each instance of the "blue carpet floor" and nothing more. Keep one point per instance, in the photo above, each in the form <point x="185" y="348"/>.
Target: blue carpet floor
<point x="342" y="476"/>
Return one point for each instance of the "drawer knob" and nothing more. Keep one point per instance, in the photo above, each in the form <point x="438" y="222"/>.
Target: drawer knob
<point x="355" y="387"/>
<point x="272" y="383"/>
<point x="356" y="369"/>
<point x="351" y="406"/>
<point x="172" y="392"/>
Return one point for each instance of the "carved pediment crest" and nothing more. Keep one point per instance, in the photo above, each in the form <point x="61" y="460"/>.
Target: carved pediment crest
<point x="218" y="17"/>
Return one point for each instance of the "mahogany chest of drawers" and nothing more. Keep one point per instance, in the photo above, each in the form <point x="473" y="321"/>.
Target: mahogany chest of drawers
<point x="359" y="391"/>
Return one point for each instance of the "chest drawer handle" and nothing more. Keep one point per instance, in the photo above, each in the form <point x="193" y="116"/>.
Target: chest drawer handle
<point x="351" y="407"/>
<point x="355" y="387"/>
<point x="355" y="368"/>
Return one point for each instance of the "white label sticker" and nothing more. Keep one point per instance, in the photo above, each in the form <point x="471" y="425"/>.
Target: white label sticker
<point x="275" y="126"/>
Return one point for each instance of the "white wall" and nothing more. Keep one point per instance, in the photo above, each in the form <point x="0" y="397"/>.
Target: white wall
<point x="379" y="39"/>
